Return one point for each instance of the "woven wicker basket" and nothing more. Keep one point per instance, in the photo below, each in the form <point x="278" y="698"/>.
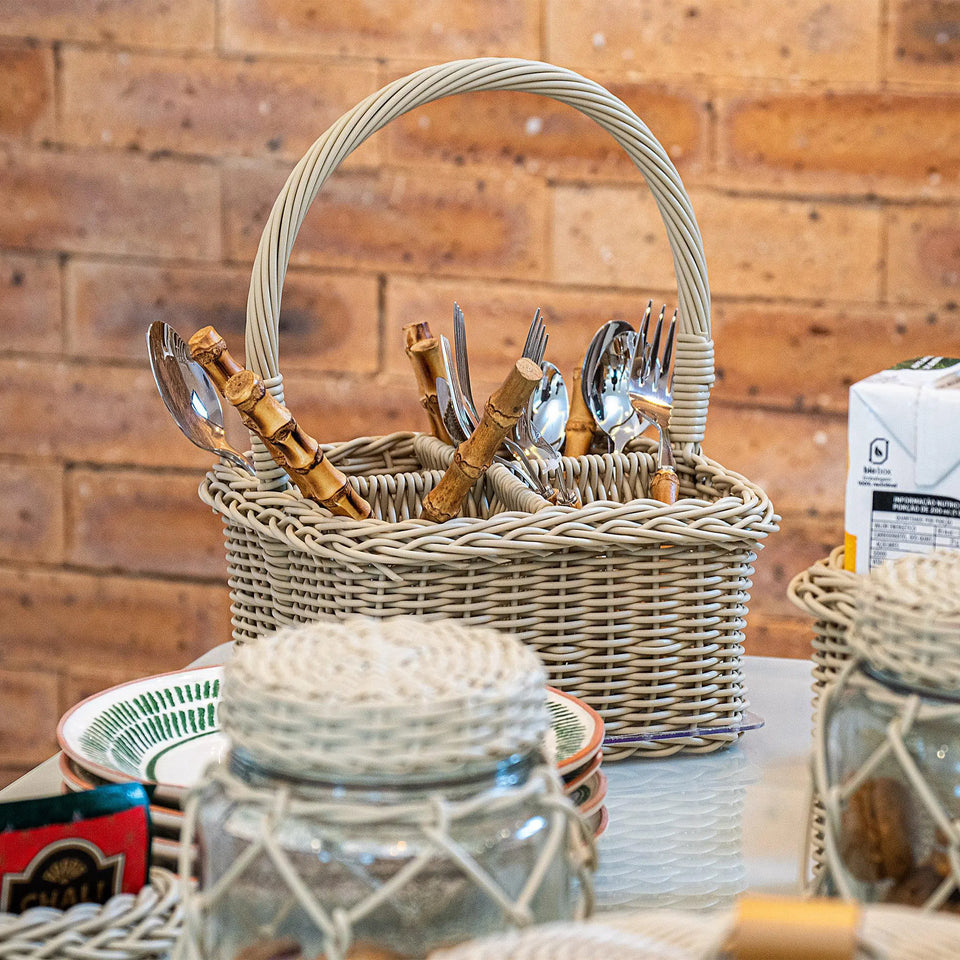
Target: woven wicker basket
<point x="127" y="927"/>
<point x="635" y="606"/>
<point x="826" y="591"/>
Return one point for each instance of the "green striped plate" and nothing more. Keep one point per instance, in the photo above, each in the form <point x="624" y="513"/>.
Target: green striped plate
<point x="166" y="729"/>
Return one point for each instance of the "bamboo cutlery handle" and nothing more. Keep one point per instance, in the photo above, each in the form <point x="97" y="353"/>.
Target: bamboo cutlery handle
<point x="423" y="351"/>
<point x="476" y="453"/>
<point x="289" y="444"/>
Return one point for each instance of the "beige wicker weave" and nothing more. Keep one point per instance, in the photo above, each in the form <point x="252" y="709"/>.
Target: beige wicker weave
<point x="637" y="607"/>
<point x="127" y="927"/>
<point x="827" y="592"/>
<point x="891" y="933"/>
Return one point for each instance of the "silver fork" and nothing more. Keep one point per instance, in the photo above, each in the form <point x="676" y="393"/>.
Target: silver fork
<point x="650" y="388"/>
<point x="527" y="437"/>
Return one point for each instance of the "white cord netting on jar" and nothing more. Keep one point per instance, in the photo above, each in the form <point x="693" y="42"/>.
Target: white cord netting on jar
<point x="433" y="820"/>
<point x="906" y="628"/>
<point x="381" y="704"/>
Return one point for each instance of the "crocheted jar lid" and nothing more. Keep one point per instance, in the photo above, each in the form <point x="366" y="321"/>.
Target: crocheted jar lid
<point x="362" y="698"/>
<point x="907" y="620"/>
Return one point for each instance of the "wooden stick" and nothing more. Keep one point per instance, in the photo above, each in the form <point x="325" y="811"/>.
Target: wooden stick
<point x="209" y="349"/>
<point x="414" y="333"/>
<point x="427" y="366"/>
<point x="665" y="485"/>
<point x="475" y="454"/>
<point x="580" y="423"/>
<point x="293" y="448"/>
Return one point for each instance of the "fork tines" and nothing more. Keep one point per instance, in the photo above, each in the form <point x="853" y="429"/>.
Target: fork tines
<point x="648" y="364"/>
<point x="536" y="342"/>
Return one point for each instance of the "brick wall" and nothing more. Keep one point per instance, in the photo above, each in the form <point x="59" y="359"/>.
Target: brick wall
<point x="142" y="144"/>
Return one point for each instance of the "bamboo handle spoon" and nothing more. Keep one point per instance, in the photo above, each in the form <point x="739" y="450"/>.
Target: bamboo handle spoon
<point x="289" y="444"/>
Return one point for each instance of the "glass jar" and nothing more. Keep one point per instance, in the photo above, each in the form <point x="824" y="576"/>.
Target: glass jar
<point x="413" y="864"/>
<point x="891" y="789"/>
<point x="385" y="787"/>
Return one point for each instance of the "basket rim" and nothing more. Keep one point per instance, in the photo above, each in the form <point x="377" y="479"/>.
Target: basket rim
<point x="746" y="515"/>
<point x="825" y="590"/>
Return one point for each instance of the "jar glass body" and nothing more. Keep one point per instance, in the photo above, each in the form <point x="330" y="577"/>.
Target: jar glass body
<point x="893" y="750"/>
<point x="344" y="843"/>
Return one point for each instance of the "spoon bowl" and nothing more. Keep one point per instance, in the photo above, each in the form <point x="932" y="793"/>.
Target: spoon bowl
<point x="550" y="405"/>
<point x="188" y="394"/>
<point x="597" y="346"/>
<point x="609" y="401"/>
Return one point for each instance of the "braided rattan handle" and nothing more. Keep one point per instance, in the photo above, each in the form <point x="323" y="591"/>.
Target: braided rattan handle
<point x="694" y="352"/>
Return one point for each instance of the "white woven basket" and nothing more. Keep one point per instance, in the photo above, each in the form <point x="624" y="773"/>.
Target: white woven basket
<point x="637" y="607"/>
<point x="891" y="933"/>
<point x="144" y="926"/>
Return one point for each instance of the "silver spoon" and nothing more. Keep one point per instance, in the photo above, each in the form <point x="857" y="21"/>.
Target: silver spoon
<point x="550" y="406"/>
<point x="609" y="401"/>
<point x="188" y="394"/>
<point x="598" y="344"/>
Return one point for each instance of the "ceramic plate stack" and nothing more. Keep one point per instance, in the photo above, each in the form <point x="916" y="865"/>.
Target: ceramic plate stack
<point x="161" y="731"/>
<point x="576" y="736"/>
<point x="164" y="730"/>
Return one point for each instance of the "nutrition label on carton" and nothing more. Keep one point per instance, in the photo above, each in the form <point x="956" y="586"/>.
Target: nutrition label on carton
<point x="903" y="523"/>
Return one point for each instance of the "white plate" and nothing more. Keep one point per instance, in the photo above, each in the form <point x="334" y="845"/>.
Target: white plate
<point x="159" y="729"/>
<point x="165" y="730"/>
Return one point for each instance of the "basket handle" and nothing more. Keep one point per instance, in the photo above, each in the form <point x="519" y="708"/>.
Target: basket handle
<point x="694" y="349"/>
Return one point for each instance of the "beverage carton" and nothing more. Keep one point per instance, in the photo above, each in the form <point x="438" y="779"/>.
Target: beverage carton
<point x="903" y="466"/>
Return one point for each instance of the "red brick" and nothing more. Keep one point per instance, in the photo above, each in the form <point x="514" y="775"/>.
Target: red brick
<point x="90" y="412"/>
<point x="28" y="721"/>
<point x="801" y="541"/>
<point x="804" y="357"/>
<point x="807" y="40"/>
<point x="923" y="254"/>
<point x="109" y="203"/>
<point x="547" y="138"/>
<point x="924" y="42"/>
<point x="842" y="142"/>
<point x="407" y="222"/>
<point x="798" y="459"/>
<point x="327" y="321"/>
<point x="30" y="303"/>
<point x="204" y="105"/>
<point x="429" y="31"/>
<point x="778" y="637"/>
<point x="26" y="92"/>
<point x="143" y="522"/>
<point x="81" y="620"/>
<point x="31" y="512"/>
<point x="167" y="24"/>
<point x="341" y="408"/>
<point x="754" y="246"/>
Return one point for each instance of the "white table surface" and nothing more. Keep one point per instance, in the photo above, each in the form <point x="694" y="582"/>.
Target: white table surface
<point x="689" y="830"/>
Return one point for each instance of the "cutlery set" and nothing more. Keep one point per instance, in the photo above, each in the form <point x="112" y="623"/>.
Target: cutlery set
<point x="623" y="385"/>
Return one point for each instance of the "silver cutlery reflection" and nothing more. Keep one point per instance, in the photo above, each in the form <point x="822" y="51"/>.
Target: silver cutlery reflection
<point x="188" y="394"/>
<point x="650" y="388"/>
